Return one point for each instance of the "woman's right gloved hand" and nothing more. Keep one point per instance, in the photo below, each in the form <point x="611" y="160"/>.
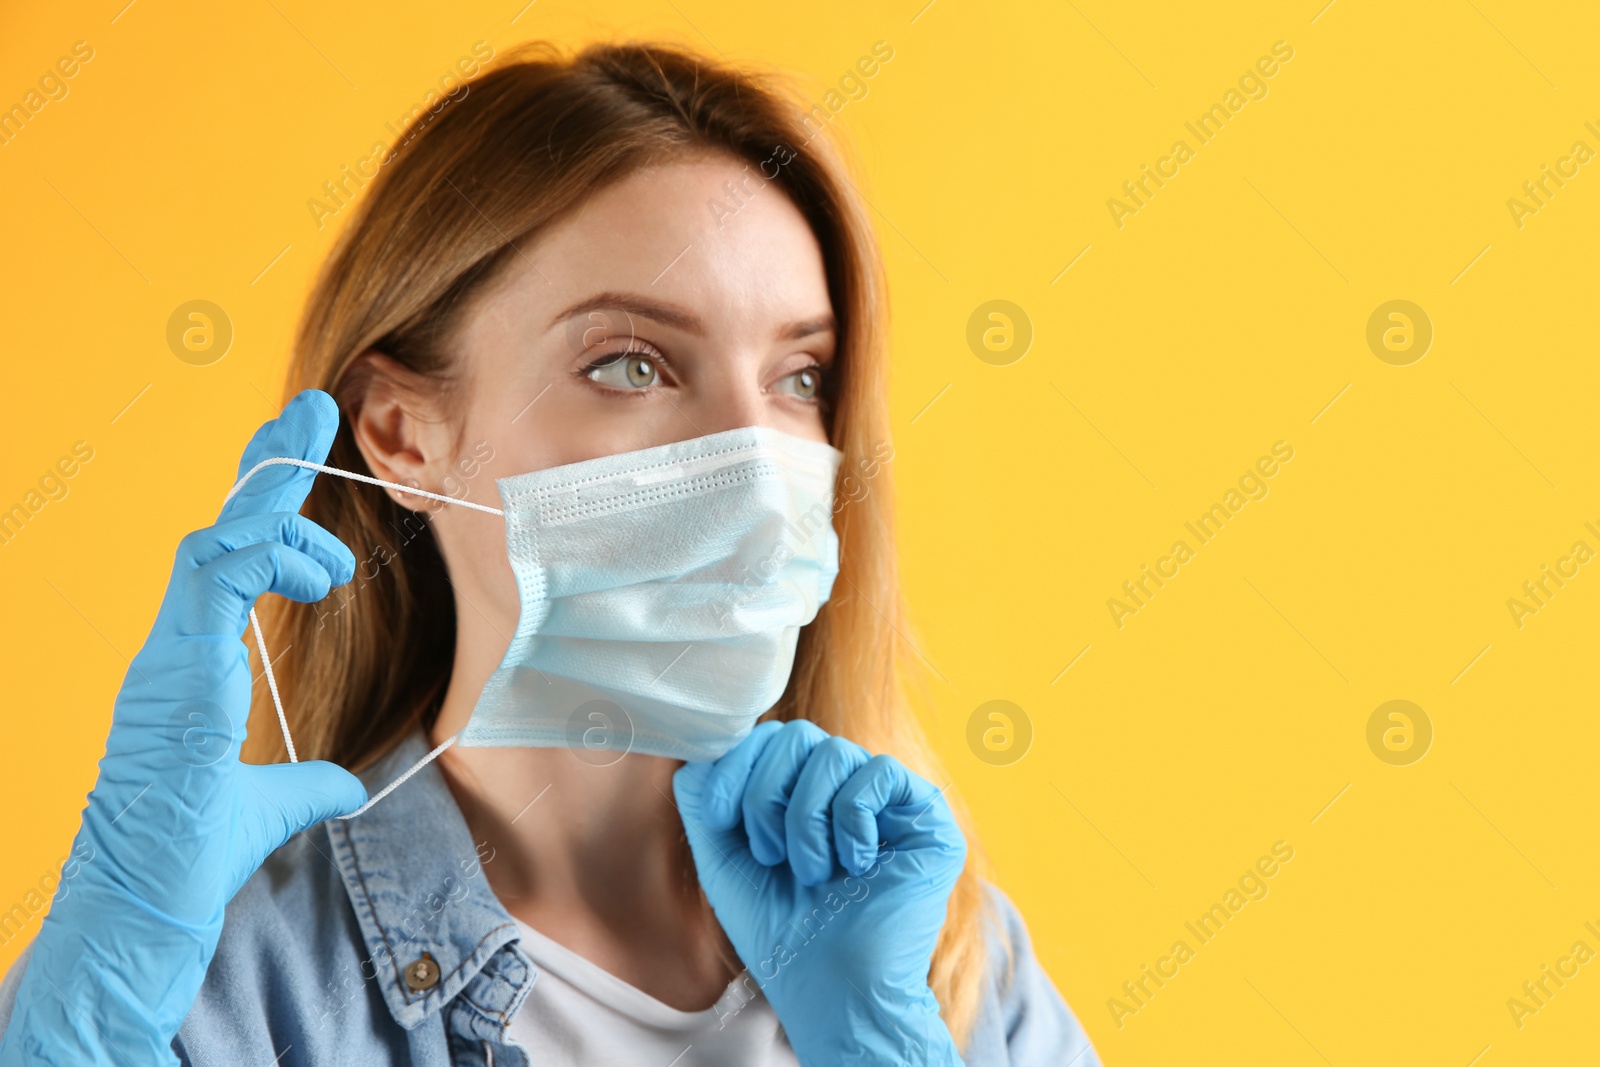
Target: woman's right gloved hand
<point x="175" y="823"/>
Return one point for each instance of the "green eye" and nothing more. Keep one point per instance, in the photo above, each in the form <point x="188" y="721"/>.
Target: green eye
<point x="628" y="371"/>
<point x="805" y="383"/>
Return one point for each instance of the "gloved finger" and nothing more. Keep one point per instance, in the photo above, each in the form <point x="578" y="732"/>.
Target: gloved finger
<point x="809" y="820"/>
<point x="883" y="782"/>
<point x="726" y="780"/>
<point x="294" y="796"/>
<point x="925" y="830"/>
<point x="305" y="430"/>
<point x="772" y="780"/>
<point x="717" y="851"/>
<point x="218" y="596"/>
<point x="689" y="789"/>
<point x="283" y="527"/>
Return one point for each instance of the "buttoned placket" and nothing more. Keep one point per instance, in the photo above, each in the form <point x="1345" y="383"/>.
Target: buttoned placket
<point x="438" y="940"/>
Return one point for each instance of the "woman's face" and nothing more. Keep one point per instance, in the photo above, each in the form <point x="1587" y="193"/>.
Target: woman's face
<point x="685" y="300"/>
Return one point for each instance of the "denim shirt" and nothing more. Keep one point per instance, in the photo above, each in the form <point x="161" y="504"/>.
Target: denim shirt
<point x="377" y="940"/>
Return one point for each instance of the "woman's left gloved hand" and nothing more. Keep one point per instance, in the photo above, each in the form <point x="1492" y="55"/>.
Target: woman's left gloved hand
<point x="829" y="869"/>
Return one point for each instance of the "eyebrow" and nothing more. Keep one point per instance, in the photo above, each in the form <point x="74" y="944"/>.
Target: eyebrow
<point x="679" y="317"/>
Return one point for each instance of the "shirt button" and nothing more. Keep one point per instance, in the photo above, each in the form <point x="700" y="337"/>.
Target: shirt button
<point x="423" y="974"/>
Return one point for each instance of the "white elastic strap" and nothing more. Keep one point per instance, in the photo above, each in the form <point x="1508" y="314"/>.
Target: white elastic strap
<point x="272" y="685"/>
<point x="261" y="641"/>
<point x="413" y="769"/>
<point x="353" y="476"/>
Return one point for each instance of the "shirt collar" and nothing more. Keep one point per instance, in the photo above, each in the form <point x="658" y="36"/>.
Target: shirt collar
<point x="415" y="878"/>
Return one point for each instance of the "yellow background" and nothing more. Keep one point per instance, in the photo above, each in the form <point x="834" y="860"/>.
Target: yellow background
<point x="1224" y="316"/>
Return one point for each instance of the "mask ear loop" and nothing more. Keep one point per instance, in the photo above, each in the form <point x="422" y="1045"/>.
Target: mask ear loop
<point x="261" y="641"/>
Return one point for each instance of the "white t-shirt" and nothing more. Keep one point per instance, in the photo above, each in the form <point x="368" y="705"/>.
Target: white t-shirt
<point x="577" y="1013"/>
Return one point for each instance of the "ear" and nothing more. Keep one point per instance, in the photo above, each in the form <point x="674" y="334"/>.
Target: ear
<point x="397" y="426"/>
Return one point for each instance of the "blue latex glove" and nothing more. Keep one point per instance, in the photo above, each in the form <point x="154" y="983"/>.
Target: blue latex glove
<point x="829" y="869"/>
<point x="176" y="823"/>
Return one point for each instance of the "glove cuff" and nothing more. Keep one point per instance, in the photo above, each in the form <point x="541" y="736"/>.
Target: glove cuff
<point x="111" y="991"/>
<point x="874" y="1030"/>
<point x="46" y="1028"/>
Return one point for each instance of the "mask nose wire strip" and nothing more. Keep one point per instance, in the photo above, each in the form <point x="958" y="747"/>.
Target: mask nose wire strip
<point x="261" y="641"/>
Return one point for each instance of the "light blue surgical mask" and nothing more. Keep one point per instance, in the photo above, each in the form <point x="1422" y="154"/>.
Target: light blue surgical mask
<point x="662" y="594"/>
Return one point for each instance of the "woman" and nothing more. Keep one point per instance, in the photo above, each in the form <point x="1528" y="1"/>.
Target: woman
<point x="618" y="272"/>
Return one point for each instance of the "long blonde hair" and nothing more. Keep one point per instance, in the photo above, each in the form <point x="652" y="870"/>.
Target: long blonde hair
<point x="518" y="147"/>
